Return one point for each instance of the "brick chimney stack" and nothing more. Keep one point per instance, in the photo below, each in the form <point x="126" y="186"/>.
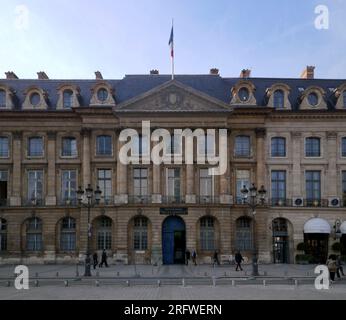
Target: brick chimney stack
<point x="214" y="71"/>
<point x="10" y="75"/>
<point x="308" y="73"/>
<point x="245" y="73"/>
<point x="98" y="75"/>
<point x="42" y="75"/>
<point x="154" y="71"/>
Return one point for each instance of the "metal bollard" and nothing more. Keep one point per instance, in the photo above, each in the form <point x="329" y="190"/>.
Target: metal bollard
<point x="118" y="274"/>
<point x="158" y="283"/>
<point x="183" y="282"/>
<point x="97" y="283"/>
<point x="265" y="273"/>
<point x="206" y="274"/>
<point x="57" y="274"/>
<point x="128" y="283"/>
<point x="225" y="274"/>
<point x="264" y="283"/>
<point x="36" y="283"/>
<point x="66" y="283"/>
<point x="8" y="284"/>
<point x="97" y="274"/>
<point x="36" y="274"/>
<point x="77" y="273"/>
<point x="296" y="283"/>
<point x="233" y="283"/>
<point x="214" y="281"/>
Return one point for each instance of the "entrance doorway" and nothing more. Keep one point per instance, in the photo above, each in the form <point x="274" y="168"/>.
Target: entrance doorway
<point x="173" y="240"/>
<point x="317" y="246"/>
<point x="280" y="241"/>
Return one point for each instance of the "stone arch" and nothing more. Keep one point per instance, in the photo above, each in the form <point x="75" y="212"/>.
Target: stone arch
<point x="281" y="240"/>
<point x="208" y="235"/>
<point x="102" y="234"/>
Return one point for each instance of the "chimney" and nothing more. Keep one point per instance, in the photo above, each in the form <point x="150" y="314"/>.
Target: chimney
<point x="98" y="75"/>
<point x="42" y="75"/>
<point x="308" y="73"/>
<point x="154" y="71"/>
<point x="245" y="73"/>
<point x="10" y="75"/>
<point x="214" y="71"/>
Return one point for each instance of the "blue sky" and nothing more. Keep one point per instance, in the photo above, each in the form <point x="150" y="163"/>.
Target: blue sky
<point x="74" y="38"/>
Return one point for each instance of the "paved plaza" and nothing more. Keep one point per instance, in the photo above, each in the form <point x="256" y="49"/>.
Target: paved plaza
<point x="176" y="282"/>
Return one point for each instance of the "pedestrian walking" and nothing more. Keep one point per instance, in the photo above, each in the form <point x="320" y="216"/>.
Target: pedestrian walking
<point x="238" y="259"/>
<point x="187" y="256"/>
<point x="194" y="257"/>
<point x="331" y="264"/>
<point x="104" y="259"/>
<point x="95" y="260"/>
<point x="216" y="258"/>
<point x="339" y="268"/>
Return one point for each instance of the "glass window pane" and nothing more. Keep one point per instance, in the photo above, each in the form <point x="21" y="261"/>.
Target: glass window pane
<point x="35" y="147"/>
<point x="242" y="146"/>
<point x="2" y="98"/>
<point x="68" y="99"/>
<point x="312" y="147"/>
<point x="4" y="147"/>
<point x="343" y="147"/>
<point x="278" y="147"/>
<point x="279" y="100"/>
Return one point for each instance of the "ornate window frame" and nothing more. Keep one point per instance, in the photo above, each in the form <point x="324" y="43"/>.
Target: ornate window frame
<point x="43" y="96"/>
<point x="9" y="92"/>
<point x="235" y="93"/>
<point x="94" y="101"/>
<point x="340" y="103"/>
<point x="305" y="105"/>
<point x="75" y="94"/>
<point x="270" y="94"/>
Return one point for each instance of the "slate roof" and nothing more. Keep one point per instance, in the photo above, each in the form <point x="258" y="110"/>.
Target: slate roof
<point x="133" y="85"/>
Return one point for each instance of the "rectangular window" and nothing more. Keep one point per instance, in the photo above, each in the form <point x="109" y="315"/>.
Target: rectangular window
<point x="105" y="184"/>
<point x="104" y="240"/>
<point x="34" y="241"/>
<point x="242" y="146"/>
<point x="278" y="180"/>
<point x="343" y="147"/>
<point x="3" y="187"/>
<point x="140" y="182"/>
<point x="2" y="98"/>
<point x="35" y="185"/>
<point x="69" y="147"/>
<point x="173" y="184"/>
<point x="104" y="145"/>
<point x="175" y="145"/>
<point x="35" y="147"/>
<point x="312" y="147"/>
<point x="69" y="185"/>
<point x="206" y="191"/>
<point x="4" y="147"/>
<point x="68" y="241"/>
<point x="344" y="187"/>
<point x="278" y="147"/>
<point x="242" y="179"/>
<point x="313" y="186"/>
<point x="140" y="144"/>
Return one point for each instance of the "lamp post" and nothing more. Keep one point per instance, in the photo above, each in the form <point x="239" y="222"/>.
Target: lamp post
<point x="337" y="231"/>
<point x="254" y="198"/>
<point x="93" y="198"/>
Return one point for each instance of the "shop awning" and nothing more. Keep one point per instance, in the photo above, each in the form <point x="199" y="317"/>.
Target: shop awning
<point x="343" y="227"/>
<point x="317" y="225"/>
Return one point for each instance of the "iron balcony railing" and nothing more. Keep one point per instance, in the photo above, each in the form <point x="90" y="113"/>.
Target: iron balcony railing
<point x="68" y="201"/>
<point x="173" y="199"/>
<point x="36" y="202"/>
<point x="139" y="199"/>
<point x="208" y="200"/>
<point x="298" y="202"/>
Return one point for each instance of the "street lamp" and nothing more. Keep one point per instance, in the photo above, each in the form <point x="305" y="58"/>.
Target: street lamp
<point x="93" y="198"/>
<point x="337" y="230"/>
<point x="254" y="198"/>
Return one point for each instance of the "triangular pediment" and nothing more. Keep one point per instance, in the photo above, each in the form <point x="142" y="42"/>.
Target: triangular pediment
<point x="173" y="96"/>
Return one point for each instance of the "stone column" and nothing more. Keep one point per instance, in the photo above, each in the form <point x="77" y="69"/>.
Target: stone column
<point x="190" y="188"/>
<point x="157" y="194"/>
<point x="296" y="173"/>
<point x="122" y="193"/>
<point x="15" y="199"/>
<point x="260" y="151"/>
<point x="51" y="181"/>
<point x="331" y="155"/>
<point x="86" y="169"/>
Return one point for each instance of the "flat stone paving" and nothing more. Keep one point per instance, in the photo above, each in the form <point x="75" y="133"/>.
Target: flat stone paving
<point x="108" y="290"/>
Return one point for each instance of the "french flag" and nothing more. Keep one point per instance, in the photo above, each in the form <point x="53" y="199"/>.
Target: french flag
<point x="171" y="43"/>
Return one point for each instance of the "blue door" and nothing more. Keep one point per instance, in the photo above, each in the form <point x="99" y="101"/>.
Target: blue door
<point x="173" y="240"/>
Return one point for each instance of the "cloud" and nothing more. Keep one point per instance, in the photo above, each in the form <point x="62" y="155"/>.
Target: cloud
<point x="21" y="21"/>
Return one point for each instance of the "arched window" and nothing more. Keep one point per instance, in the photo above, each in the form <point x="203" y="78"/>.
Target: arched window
<point x="207" y="234"/>
<point x="68" y="99"/>
<point x="279" y="99"/>
<point x="244" y="240"/>
<point x="104" y="145"/>
<point x="278" y="147"/>
<point x="104" y="234"/>
<point x="242" y="146"/>
<point x="68" y="234"/>
<point x="3" y="235"/>
<point x="35" y="99"/>
<point x="140" y="233"/>
<point x="2" y="98"/>
<point x="313" y="147"/>
<point x="34" y="234"/>
<point x="244" y="94"/>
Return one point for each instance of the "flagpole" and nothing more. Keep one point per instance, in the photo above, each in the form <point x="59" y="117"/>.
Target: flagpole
<point x="173" y="53"/>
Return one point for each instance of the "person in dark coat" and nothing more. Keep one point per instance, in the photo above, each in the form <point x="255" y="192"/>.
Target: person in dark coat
<point x="104" y="259"/>
<point x="194" y="257"/>
<point x="95" y="260"/>
<point x="339" y="270"/>
<point x="216" y="258"/>
<point x="187" y="256"/>
<point x="238" y="259"/>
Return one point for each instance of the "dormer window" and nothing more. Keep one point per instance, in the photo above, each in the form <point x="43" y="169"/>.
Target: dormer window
<point x="279" y="99"/>
<point x="68" y="99"/>
<point x="243" y="94"/>
<point x="2" y="98"/>
<point x="340" y="97"/>
<point x="35" y="99"/>
<point x="102" y="94"/>
<point x="313" y="99"/>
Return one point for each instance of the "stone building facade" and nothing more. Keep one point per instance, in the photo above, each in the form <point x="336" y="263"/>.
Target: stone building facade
<point x="288" y="135"/>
